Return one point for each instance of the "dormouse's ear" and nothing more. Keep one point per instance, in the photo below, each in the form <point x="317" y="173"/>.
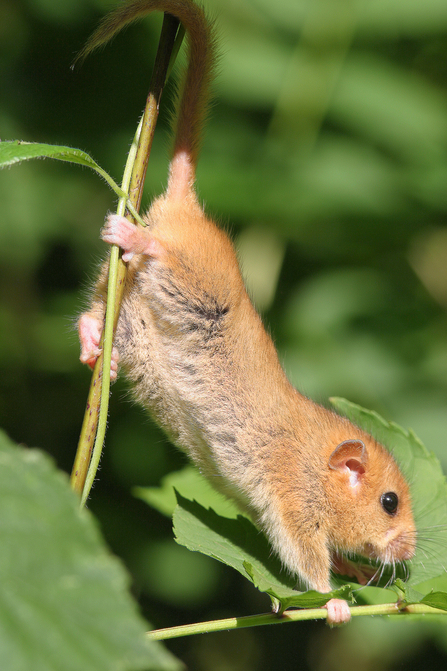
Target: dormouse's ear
<point x="350" y="456"/>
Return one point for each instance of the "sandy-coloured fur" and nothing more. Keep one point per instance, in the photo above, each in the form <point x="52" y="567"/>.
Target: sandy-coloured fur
<point x="203" y="365"/>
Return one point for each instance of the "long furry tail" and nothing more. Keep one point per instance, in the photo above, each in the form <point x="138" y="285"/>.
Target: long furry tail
<point x="194" y="93"/>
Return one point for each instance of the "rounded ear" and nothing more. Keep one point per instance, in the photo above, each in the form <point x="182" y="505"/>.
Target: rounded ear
<point x="350" y="456"/>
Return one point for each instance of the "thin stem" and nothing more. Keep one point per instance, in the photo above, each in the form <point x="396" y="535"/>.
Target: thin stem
<point x="287" y="616"/>
<point x="136" y="167"/>
<point x="109" y="327"/>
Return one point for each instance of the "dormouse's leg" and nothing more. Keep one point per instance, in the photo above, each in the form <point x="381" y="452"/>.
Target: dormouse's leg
<point x="133" y="240"/>
<point x="117" y="230"/>
<point x="308" y="556"/>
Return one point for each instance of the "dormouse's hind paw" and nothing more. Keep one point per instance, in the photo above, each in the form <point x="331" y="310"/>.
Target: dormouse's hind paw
<point x="90" y="329"/>
<point x="119" y="231"/>
<point x="132" y="239"/>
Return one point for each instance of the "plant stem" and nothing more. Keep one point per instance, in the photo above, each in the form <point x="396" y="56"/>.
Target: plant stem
<point x="97" y="402"/>
<point x="112" y="312"/>
<point x="287" y="616"/>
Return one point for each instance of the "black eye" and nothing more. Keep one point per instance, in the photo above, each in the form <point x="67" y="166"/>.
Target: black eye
<point x="389" y="502"/>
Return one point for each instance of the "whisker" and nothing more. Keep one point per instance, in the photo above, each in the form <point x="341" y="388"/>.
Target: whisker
<point x="393" y="575"/>
<point x="374" y="577"/>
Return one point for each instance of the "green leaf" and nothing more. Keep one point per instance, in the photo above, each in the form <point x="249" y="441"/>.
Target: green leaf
<point x="190" y="484"/>
<point x="409" y="596"/>
<point x="406" y="593"/>
<point x="15" y="151"/>
<point x="436" y="600"/>
<point x="239" y="544"/>
<point x="64" y="602"/>
<point x="293" y="598"/>
<point x="427" y="485"/>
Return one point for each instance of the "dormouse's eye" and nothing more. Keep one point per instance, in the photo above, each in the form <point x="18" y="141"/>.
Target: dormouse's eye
<point x="389" y="502"/>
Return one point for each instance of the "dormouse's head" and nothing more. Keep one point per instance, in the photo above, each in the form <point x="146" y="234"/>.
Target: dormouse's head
<point x="370" y="502"/>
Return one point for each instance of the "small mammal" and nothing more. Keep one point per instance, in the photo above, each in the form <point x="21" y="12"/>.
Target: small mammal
<point x="201" y="362"/>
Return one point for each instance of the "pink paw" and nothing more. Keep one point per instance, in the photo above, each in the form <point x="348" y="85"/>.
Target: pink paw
<point x="90" y="330"/>
<point x="338" y="612"/>
<point x="362" y="573"/>
<point x="119" y="231"/>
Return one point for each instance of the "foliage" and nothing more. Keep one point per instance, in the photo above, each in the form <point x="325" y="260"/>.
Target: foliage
<point x="239" y="544"/>
<point x="64" y="600"/>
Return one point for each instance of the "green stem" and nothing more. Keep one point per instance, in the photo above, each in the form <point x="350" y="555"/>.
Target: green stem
<point x="287" y="616"/>
<point x="109" y="326"/>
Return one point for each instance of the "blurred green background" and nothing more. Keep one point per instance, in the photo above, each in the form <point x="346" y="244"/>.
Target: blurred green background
<point x="326" y="158"/>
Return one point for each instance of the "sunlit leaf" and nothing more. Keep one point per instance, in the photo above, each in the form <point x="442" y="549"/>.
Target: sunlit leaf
<point x="64" y="601"/>
<point x="436" y="600"/>
<point x="239" y="544"/>
<point x="15" y="151"/>
<point x="191" y="485"/>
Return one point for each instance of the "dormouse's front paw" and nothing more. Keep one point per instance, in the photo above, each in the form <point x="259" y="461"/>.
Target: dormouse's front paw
<point x="362" y="573"/>
<point x="338" y="612"/>
<point x="132" y="239"/>
<point x="89" y="329"/>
